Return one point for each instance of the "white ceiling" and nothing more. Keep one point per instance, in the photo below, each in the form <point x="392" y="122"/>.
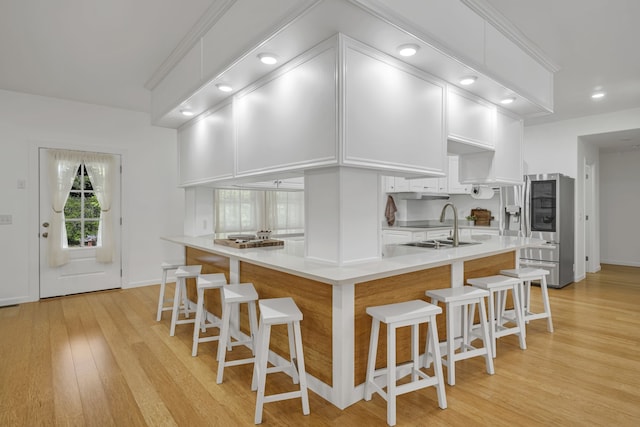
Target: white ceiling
<point x="103" y="52"/>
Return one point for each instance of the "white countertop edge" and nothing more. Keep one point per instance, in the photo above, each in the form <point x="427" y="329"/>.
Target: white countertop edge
<point x="407" y="261"/>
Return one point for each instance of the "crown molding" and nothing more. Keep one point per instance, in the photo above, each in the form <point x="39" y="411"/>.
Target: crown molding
<point x="502" y="24"/>
<point x="217" y="9"/>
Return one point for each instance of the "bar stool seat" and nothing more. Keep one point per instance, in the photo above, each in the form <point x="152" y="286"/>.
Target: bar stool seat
<point x="527" y="275"/>
<point x="166" y="267"/>
<point x="183" y="273"/>
<point x="408" y="313"/>
<point x="465" y="298"/>
<point x="498" y="287"/>
<point x="203" y="283"/>
<point x="279" y="311"/>
<point x="232" y="296"/>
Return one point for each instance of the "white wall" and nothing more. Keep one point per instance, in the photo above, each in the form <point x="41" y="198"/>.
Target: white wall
<point x="152" y="205"/>
<point x="555" y="147"/>
<point x="431" y="209"/>
<point x="619" y="207"/>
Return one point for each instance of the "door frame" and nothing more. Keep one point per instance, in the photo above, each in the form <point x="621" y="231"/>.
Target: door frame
<point x="34" y="209"/>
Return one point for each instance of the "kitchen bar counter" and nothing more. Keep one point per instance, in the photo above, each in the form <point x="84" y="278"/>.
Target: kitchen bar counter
<point x="333" y="299"/>
<point x="396" y="259"/>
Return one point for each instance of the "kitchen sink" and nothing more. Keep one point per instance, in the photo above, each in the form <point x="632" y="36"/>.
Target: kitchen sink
<point x="438" y="244"/>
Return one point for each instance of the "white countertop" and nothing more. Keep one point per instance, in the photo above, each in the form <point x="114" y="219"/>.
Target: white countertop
<point x="397" y="259"/>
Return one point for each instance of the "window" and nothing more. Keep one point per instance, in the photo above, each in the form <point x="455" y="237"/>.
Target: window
<point x="82" y="212"/>
<point x="285" y="211"/>
<point x="239" y="211"/>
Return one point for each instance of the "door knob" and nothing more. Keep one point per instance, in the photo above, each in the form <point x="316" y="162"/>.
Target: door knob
<point x="45" y="234"/>
<point x="45" y="224"/>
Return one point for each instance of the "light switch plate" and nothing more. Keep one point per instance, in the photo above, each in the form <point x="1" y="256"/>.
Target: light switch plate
<point x="6" y="219"/>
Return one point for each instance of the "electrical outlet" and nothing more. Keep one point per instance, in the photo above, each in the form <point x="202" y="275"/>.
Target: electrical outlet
<point x="6" y="219"/>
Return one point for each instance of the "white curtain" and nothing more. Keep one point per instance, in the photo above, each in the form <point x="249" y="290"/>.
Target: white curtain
<point x="63" y="166"/>
<point x="285" y="211"/>
<point x="238" y="211"/>
<point x="100" y="171"/>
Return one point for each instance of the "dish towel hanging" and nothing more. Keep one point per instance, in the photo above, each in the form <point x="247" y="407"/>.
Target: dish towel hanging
<point x="390" y="211"/>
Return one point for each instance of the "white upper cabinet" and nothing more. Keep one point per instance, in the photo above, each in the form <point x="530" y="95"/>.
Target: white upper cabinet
<point x="205" y="148"/>
<point x="505" y="165"/>
<point x="393" y="114"/>
<point x="470" y="123"/>
<point x="453" y="176"/>
<point x="289" y="120"/>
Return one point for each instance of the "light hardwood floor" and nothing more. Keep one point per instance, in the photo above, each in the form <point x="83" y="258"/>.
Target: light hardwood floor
<point x="101" y="359"/>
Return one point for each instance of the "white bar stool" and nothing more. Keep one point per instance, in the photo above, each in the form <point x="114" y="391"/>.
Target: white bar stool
<point x="183" y="273"/>
<point x="498" y="286"/>
<point x="166" y="267"/>
<point x="232" y="296"/>
<point x="464" y="298"/>
<point x="279" y="311"/>
<point x="527" y="275"/>
<point x="203" y="283"/>
<point x="409" y="313"/>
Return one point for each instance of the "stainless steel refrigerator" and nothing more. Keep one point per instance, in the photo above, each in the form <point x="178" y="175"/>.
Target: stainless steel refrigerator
<point x="543" y="208"/>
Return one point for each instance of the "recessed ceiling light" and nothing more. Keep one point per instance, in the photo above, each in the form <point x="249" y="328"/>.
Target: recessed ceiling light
<point x="408" y="49"/>
<point x="186" y="112"/>
<point x="468" y="80"/>
<point x="509" y="100"/>
<point x="224" y="87"/>
<point x="597" y="95"/>
<point x="268" y="58"/>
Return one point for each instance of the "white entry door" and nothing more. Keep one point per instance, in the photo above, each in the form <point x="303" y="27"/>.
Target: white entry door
<point x="82" y="272"/>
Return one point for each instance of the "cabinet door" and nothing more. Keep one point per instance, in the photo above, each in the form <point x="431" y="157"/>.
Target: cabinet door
<point x="386" y="101"/>
<point x="205" y="148"/>
<point x="281" y="129"/>
<point x="507" y="162"/>
<point x="439" y="234"/>
<point x="470" y="122"/>
<point x="455" y="187"/>
<point x="390" y="237"/>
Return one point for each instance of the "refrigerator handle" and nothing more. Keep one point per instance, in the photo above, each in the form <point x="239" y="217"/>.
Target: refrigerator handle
<point x="526" y="215"/>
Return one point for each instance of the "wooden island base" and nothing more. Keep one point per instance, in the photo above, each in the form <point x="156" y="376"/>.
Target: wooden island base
<point x="336" y="328"/>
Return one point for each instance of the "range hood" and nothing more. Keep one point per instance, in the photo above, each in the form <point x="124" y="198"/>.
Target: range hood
<point x="416" y="195"/>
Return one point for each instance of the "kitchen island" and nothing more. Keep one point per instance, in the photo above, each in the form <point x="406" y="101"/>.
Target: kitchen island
<point x="334" y="298"/>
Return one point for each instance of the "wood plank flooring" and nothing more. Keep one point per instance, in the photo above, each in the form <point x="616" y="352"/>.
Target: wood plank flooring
<point x="101" y="359"/>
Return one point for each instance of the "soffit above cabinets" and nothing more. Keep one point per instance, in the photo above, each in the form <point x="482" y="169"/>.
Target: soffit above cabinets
<point x="370" y="22"/>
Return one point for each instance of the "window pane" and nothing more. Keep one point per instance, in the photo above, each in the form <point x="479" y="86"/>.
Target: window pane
<point x="72" y="209"/>
<point x="73" y="233"/>
<point x="91" y="206"/>
<point x="87" y="182"/>
<point x="91" y="233"/>
<point x="77" y="184"/>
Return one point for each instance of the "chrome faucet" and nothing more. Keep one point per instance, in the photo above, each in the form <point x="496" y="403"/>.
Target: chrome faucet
<point x="455" y="222"/>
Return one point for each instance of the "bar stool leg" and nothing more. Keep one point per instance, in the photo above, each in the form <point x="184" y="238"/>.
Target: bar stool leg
<point x="302" y="373"/>
<point x="261" y="368"/>
<point x="486" y="338"/>
<point x="451" y="364"/>
<point x="545" y="302"/>
<point x="371" y="361"/>
<point x="222" y="341"/>
<point x="176" y="306"/>
<point x="519" y="318"/>
<point x="437" y="363"/>
<point x="163" y="285"/>
<point x="198" y="323"/>
<point x="292" y="353"/>
<point x="391" y="375"/>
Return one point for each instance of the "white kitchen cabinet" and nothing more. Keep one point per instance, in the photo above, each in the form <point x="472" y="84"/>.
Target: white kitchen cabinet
<point x="455" y="187"/>
<point x="504" y="166"/>
<point x="470" y="123"/>
<point x="484" y="231"/>
<point x="393" y="114"/>
<point x="288" y="120"/>
<point x="396" y="184"/>
<point x="390" y="237"/>
<point x="205" y="148"/>
<point x="278" y="184"/>
<point x="429" y="185"/>
<point x="439" y="234"/>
